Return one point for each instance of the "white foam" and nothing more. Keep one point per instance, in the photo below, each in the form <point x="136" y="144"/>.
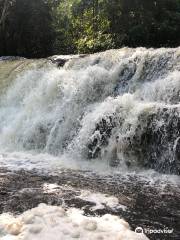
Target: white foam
<point x="50" y="222"/>
<point x="101" y="200"/>
<point x="51" y="111"/>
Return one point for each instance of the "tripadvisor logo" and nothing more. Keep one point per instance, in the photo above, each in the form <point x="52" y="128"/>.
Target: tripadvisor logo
<point x="140" y="230"/>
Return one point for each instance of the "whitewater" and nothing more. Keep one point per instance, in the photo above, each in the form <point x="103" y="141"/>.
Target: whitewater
<point x="109" y="113"/>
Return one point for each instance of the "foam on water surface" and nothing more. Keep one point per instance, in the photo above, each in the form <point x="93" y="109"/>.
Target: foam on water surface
<point x="55" y="223"/>
<point x="101" y="201"/>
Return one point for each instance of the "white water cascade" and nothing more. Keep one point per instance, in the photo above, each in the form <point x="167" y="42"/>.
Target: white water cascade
<point x="121" y="107"/>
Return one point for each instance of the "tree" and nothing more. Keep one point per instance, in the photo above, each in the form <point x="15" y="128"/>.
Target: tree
<point x="27" y="30"/>
<point x="38" y="28"/>
<point x="95" y="34"/>
<point x="82" y="26"/>
<point x="4" y="11"/>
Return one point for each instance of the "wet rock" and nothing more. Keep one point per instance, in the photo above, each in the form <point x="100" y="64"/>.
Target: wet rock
<point x="151" y="144"/>
<point x="104" y="130"/>
<point x="61" y="60"/>
<point x="154" y="142"/>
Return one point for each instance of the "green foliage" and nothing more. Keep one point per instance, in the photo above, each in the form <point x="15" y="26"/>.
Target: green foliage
<point x="38" y="28"/>
<point x="92" y="31"/>
<point x="81" y="28"/>
<point x="146" y="23"/>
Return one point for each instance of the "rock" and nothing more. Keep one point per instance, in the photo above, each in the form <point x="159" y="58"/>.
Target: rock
<point x="62" y="59"/>
<point x="177" y="150"/>
<point x="150" y="143"/>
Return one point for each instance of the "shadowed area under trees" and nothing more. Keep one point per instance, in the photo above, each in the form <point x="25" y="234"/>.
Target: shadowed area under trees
<point x="39" y="28"/>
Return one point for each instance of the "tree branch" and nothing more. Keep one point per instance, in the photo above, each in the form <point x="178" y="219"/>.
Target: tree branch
<point x="4" y="11"/>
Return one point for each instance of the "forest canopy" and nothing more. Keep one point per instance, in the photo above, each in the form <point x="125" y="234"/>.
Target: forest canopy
<point x="39" y="28"/>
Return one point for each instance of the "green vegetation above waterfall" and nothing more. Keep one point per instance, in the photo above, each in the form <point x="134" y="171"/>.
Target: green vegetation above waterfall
<point x="39" y="28"/>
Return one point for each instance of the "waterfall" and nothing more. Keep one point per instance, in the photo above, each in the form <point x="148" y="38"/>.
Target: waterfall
<point x="119" y="106"/>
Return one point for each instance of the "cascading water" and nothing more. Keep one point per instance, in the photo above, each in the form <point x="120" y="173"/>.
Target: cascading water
<point x="119" y="106"/>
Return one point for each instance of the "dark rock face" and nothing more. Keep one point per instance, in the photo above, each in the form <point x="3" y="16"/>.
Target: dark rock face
<point x="177" y="149"/>
<point x="104" y="127"/>
<point x="155" y="143"/>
